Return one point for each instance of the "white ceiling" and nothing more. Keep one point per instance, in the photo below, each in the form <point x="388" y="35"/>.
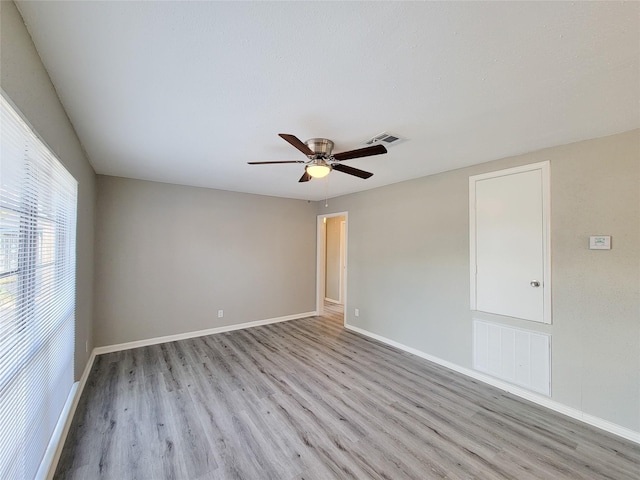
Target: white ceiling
<point x="188" y="92"/>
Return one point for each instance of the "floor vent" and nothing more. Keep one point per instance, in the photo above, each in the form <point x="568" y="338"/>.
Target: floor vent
<point x="385" y="138"/>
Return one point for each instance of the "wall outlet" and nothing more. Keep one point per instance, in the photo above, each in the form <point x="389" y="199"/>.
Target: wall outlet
<point x="220" y="313"/>
<point x="357" y="312"/>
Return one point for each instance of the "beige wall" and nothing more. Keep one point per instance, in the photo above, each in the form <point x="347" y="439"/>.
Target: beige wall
<point x="169" y="257"/>
<point x="26" y="82"/>
<point x="409" y="275"/>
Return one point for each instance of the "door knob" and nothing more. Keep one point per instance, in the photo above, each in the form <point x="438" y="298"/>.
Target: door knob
<point x="535" y="284"/>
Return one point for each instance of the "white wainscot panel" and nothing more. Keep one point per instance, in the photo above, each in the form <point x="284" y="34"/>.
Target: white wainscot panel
<point x="522" y="357"/>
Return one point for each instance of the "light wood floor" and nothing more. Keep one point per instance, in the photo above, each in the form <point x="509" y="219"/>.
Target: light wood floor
<point x="307" y="399"/>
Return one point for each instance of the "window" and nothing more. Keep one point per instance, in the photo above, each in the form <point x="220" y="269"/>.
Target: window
<point x="37" y="294"/>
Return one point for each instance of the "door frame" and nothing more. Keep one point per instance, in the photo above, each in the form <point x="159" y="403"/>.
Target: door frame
<point x="343" y="262"/>
<point x="321" y="251"/>
<point x="545" y="169"/>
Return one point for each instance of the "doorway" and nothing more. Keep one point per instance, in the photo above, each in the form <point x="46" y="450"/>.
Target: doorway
<point x="331" y="281"/>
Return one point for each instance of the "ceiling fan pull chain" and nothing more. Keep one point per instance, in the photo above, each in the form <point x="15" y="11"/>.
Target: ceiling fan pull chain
<point x="326" y="193"/>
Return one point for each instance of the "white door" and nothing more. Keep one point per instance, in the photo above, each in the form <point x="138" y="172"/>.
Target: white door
<point x="509" y="233"/>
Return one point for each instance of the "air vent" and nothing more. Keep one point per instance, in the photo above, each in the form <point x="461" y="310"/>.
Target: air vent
<point x="385" y="138"/>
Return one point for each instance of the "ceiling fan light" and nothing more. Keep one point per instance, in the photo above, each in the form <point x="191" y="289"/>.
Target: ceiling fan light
<point x="318" y="171"/>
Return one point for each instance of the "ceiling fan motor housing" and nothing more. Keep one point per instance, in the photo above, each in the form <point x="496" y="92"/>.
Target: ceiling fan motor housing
<point x="322" y="147"/>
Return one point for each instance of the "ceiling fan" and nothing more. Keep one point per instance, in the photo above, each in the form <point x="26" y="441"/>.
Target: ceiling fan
<point x="320" y="159"/>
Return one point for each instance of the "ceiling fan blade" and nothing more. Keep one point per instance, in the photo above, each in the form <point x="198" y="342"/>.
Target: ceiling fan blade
<point x="360" y="152"/>
<point x="277" y="161"/>
<point x="305" y="177"/>
<point x="296" y="142"/>
<point x="350" y="170"/>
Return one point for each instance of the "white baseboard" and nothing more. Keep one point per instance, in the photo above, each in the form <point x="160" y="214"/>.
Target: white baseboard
<point x="331" y="300"/>
<point x="518" y="391"/>
<point x="59" y="437"/>
<point x="198" y="333"/>
<point x="52" y="453"/>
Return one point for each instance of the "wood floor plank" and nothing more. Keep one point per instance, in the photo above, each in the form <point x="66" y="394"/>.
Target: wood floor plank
<point x="217" y="417"/>
<point x="307" y="399"/>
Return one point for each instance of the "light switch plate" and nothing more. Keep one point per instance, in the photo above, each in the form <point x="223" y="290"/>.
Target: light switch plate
<point x="600" y="242"/>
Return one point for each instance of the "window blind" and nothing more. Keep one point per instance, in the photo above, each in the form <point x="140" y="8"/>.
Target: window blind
<point x="37" y="294"/>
